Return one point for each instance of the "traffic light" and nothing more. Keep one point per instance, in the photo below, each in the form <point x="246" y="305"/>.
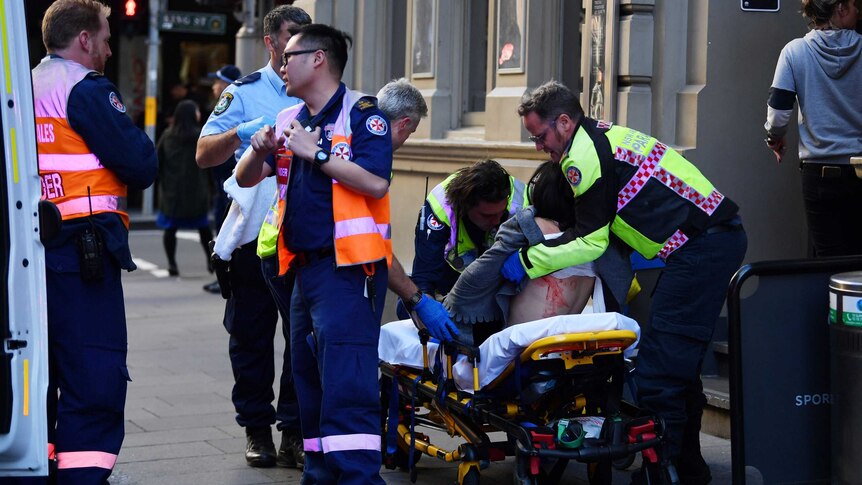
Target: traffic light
<point x="135" y="18"/>
<point x="131" y="8"/>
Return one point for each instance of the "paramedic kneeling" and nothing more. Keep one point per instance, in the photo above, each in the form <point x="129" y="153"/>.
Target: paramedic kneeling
<point x="660" y="204"/>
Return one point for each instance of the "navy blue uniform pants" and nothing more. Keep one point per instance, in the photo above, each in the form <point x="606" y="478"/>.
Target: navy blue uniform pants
<point x="251" y="317"/>
<point x="687" y="301"/>
<point x="87" y="373"/>
<point x="334" y="338"/>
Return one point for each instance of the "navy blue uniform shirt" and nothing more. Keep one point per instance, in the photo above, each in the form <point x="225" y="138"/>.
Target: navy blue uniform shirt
<point x="122" y="148"/>
<point x="431" y="272"/>
<point x="308" y="216"/>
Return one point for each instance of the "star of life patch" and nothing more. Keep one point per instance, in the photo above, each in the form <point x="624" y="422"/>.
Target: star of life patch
<point x="573" y="175"/>
<point x="342" y="150"/>
<point x="116" y="103"/>
<point x="433" y="223"/>
<point x="223" y="103"/>
<point x="377" y="125"/>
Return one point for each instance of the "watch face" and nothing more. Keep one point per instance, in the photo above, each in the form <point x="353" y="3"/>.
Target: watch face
<point x="321" y="155"/>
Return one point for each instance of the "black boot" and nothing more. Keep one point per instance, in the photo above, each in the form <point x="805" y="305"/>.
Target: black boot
<point x="693" y="470"/>
<point x="291" y="453"/>
<point x="259" y="450"/>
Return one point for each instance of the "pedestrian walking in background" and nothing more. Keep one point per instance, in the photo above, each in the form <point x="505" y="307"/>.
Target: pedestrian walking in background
<point x="823" y="70"/>
<point x="183" y="187"/>
<point x="90" y="153"/>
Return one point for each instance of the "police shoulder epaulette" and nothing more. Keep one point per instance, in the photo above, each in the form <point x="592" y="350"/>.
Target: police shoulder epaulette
<point x="248" y="79"/>
<point x="366" y="102"/>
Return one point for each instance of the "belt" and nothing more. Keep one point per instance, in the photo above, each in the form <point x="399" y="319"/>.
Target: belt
<point x="724" y="227"/>
<point x="823" y="170"/>
<point x="305" y="258"/>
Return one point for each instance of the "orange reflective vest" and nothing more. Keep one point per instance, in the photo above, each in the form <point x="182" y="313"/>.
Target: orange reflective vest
<point x="363" y="233"/>
<point x="67" y="167"/>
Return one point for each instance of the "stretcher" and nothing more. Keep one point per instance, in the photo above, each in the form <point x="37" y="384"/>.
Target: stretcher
<point x="557" y="398"/>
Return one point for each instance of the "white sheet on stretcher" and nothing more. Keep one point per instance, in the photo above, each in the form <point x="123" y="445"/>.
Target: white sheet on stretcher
<point x="399" y="343"/>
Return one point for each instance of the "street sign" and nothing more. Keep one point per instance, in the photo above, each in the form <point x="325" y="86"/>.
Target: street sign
<point x="193" y="22"/>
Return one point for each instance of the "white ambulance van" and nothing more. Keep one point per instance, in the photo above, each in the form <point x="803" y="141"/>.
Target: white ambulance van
<point x="23" y="313"/>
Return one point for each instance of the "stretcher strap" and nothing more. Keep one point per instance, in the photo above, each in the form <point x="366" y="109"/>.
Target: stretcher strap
<point x="392" y="427"/>
<point x="412" y="450"/>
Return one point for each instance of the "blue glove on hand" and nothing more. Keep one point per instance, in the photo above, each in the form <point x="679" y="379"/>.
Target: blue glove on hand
<point x="512" y="269"/>
<point x="244" y="131"/>
<point x="436" y="319"/>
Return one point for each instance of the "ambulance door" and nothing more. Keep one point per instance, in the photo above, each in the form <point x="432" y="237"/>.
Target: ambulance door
<point x="23" y="314"/>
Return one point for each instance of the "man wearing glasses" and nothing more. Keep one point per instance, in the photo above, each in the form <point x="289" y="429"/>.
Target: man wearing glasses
<point x="332" y="157"/>
<point x="660" y="205"/>
<point x="251" y="313"/>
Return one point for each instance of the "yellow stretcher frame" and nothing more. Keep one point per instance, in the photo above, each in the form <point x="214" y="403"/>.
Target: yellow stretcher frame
<point x="574" y="349"/>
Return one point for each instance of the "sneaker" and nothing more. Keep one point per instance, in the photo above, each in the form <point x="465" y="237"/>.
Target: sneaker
<point x="259" y="450"/>
<point x="291" y="453"/>
<point x="213" y="287"/>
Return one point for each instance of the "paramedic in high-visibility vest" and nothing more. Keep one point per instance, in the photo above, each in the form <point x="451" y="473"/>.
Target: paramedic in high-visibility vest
<point x="90" y="153"/>
<point x="336" y="150"/>
<point x="458" y="221"/>
<point x="658" y="203"/>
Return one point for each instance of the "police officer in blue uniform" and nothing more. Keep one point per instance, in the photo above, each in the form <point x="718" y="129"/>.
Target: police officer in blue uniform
<point x="89" y="153"/>
<point x="251" y="313"/>
<point x="337" y="303"/>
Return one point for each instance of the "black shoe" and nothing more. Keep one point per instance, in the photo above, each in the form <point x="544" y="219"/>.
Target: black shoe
<point x="173" y="270"/>
<point x="291" y="453"/>
<point x="213" y="287"/>
<point x="693" y="471"/>
<point x="259" y="450"/>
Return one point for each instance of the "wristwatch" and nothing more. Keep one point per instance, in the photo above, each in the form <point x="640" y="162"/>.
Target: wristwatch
<point x="414" y="300"/>
<point x="321" y="157"/>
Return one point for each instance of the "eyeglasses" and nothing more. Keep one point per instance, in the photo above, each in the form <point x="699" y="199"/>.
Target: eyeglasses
<point x="286" y="56"/>
<point x="541" y="138"/>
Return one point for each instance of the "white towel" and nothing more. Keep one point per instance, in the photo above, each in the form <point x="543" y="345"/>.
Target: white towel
<point x="245" y="216"/>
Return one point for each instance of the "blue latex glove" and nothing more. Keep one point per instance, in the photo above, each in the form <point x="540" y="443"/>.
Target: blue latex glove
<point x="244" y="131"/>
<point x="512" y="269"/>
<point x="436" y="319"/>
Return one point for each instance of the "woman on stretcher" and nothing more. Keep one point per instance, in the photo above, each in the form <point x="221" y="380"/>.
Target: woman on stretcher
<point x="482" y="302"/>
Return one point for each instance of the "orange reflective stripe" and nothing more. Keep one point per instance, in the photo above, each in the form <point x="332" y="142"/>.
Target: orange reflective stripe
<point x="56" y="136"/>
<point x="52" y="454"/>
<point x="86" y="459"/>
<point x="75" y="184"/>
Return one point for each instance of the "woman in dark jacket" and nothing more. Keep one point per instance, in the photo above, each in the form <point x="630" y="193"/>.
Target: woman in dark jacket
<point x="183" y="187"/>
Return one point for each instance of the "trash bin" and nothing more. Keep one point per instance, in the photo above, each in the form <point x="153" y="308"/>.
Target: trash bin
<point x="845" y="339"/>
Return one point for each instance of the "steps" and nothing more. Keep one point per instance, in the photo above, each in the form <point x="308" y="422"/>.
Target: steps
<point x="716" y="414"/>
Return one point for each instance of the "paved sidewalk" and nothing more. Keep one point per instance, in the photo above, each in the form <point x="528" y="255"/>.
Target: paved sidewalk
<point x="180" y="426"/>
